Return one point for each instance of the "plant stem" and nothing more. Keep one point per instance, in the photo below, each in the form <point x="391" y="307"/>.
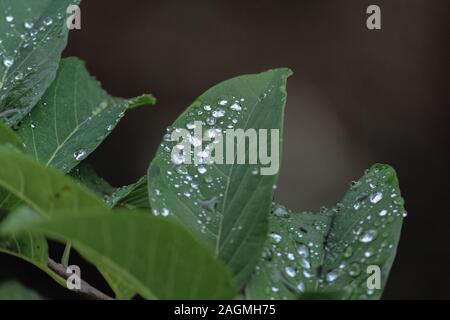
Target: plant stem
<point x="66" y="254"/>
<point x="86" y="289"/>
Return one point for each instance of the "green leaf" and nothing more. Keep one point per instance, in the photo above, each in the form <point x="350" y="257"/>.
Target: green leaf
<point x="226" y="205"/>
<point x="329" y="253"/>
<point x="49" y="192"/>
<point x="33" y="34"/>
<point x="73" y="117"/>
<point x="45" y="190"/>
<point x="132" y="196"/>
<point x="156" y="256"/>
<point x="12" y="290"/>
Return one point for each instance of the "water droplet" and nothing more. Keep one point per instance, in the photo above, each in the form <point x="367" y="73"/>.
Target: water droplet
<point x="275" y="289"/>
<point x="382" y="213"/>
<point x="182" y="170"/>
<point x="276" y="237"/>
<point x="219" y="113"/>
<point x="357" y="205"/>
<point x="376" y="197"/>
<point x="236" y="107"/>
<point x="354" y="270"/>
<point x="305" y="264"/>
<point x="28" y="24"/>
<point x="281" y="212"/>
<point x="165" y="212"/>
<point x="290" y="272"/>
<point x="19" y="76"/>
<point x="290" y="256"/>
<point x="9" y="18"/>
<point x="303" y="251"/>
<point x="223" y="102"/>
<point x="332" y="276"/>
<point x="301" y="287"/>
<point x="32" y="125"/>
<point x="202" y="170"/>
<point x="48" y="21"/>
<point x="80" y="154"/>
<point x="368" y="236"/>
<point x="8" y="62"/>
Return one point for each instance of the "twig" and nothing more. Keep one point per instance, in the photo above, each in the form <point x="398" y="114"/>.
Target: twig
<point x="86" y="289"/>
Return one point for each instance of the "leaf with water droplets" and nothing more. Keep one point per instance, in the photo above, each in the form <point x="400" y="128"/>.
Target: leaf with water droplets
<point x="32" y="36"/>
<point x="154" y="255"/>
<point x="331" y="252"/>
<point x="73" y="117"/>
<point x="226" y="205"/>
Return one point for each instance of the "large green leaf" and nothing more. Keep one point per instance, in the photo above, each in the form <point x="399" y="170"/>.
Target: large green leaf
<point x="32" y="37"/>
<point x="73" y="117"/>
<point x="13" y="290"/>
<point x="329" y="252"/>
<point x="155" y="255"/>
<point x="226" y="205"/>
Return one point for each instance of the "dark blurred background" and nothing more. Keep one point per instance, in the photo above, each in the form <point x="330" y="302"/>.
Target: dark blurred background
<point x="357" y="97"/>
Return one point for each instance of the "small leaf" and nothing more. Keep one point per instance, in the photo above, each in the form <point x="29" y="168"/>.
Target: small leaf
<point x="156" y="256"/>
<point x="12" y="290"/>
<point x="33" y="34"/>
<point x="330" y="252"/>
<point x="73" y="117"/>
<point x="226" y="205"/>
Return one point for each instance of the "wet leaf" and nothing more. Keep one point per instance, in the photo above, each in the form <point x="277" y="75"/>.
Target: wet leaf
<point x="32" y="36"/>
<point x="330" y="252"/>
<point x="73" y="117"/>
<point x="226" y="205"/>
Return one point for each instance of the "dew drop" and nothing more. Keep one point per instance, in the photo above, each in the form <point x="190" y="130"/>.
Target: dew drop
<point x="219" y="113"/>
<point x="165" y="212"/>
<point x="303" y="251"/>
<point x="332" y="276"/>
<point x="290" y="272"/>
<point x="28" y="24"/>
<point x="354" y="270"/>
<point x="8" y="62"/>
<point x="236" y="107"/>
<point x="382" y="213"/>
<point x="48" y="21"/>
<point x="9" y="18"/>
<point x="281" y="212"/>
<point x="276" y="237"/>
<point x="80" y="154"/>
<point x="368" y="236"/>
<point x="376" y="197"/>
